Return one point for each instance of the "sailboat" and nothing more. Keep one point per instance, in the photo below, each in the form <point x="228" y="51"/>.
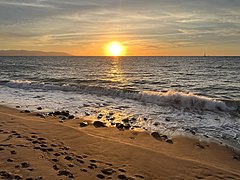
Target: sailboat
<point x="204" y="55"/>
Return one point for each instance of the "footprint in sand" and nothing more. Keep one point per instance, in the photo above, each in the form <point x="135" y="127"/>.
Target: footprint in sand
<point x="139" y="176"/>
<point x="100" y="176"/>
<point x="65" y="173"/>
<point x="13" y="152"/>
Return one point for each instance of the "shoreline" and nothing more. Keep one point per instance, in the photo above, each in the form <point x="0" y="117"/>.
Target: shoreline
<point x="46" y="148"/>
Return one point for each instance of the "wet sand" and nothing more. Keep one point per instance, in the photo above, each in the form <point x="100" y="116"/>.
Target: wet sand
<point x="44" y="148"/>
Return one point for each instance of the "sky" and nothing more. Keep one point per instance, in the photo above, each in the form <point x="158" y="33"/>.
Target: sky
<point x="144" y="27"/>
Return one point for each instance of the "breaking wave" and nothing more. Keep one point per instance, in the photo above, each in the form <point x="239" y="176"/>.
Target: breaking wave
<point x="171" y="97"/>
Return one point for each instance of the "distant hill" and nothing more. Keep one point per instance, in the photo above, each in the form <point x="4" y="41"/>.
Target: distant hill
<point x="31" y="53"/>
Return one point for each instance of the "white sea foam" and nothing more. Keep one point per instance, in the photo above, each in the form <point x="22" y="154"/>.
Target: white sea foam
<point x="171" y="97"/>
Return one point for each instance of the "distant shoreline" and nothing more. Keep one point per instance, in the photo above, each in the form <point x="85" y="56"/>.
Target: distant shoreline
<point x="16" y="53"/>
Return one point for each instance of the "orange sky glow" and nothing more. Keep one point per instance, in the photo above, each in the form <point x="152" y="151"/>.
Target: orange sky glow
<point x="143" y="28"/>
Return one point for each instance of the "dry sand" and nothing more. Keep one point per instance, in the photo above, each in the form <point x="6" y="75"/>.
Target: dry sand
<point x="37" y="148"/>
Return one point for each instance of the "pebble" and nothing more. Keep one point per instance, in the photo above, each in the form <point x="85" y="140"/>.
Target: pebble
<point x="83" y="124"/>
<point x="25" y="165"/>
<point x="99" y="124"/>
<point x="65" y="173"/>
<point x="108" y="171"/>
<point x="100" y="176"/>
<point x="156" y="135"/>
<point x="71" y="117"/>
<point x="169" y="141"/>
<point x="39" y="108"/>
<point x="122" y="176"/>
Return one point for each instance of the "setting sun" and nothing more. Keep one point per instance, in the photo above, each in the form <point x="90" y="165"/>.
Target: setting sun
<point x="115" y="49"/>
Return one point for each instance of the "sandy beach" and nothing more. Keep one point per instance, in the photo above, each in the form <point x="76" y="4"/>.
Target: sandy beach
<point x="43" y="148"/>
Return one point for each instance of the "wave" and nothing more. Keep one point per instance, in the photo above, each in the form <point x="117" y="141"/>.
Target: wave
<point x="171" y="97"/>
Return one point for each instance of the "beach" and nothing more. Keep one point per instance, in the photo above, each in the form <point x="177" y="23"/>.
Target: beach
<point x="33" y="147"/>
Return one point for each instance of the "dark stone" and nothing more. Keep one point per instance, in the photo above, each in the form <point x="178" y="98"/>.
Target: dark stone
<point x="133" y="119"/>
<point x="169" y="141"/>
<point x="164" y="137"/>
<point x="1" y="149"/>
<point x="127" y="126"/>
<point x="25" y="165"/>
<point x="35" y="142"/>
<point x="70" y="165"/>
<point x="167" y="119"/>
<point x="57" y="154"/>
<point x="125" y="120"/>
<point x="192" y="131"/>
<point x="112" y="118"/>
<point x="236" y="156"/>
<point x="93" y="161"/>
<point x="156" y="135"/>
<point x="100" y="116"/>
<point x="71" y="117"/>
<point x="90" y="167"/>
<point x="39" y="178"/>
<point x="100" y="176"/>
<point x="93" y="165"/>
<point x="120" y="126"/>
<point x="122" y="176"/>
<point x="27" y="111"/>
<point x="87" y="114"/>
<point x="80" y="161"/>
<point x="41" y="139"/>
<point x="121" y="170"/>
<point x="29" y="178"/>
<point x="69" y="158"/>
<point x="99" y="124"/>
<point x="83" y="170"/>
<point x="55" y="160"/>
<point x="57" y="113"/>
<point x="63" y="118"/>
<point x="156" y="124"/>
<point x="206" y="136"/>
<point x="83" y="124"/>
<point x="65" y="173"/>
<point x="65" y="113"/>
<point x="108" y="171"/>
<point x="18" y="177"/>
<point x="39" y="108"/>
<point x="43" y="149"/>
<point x="18" y="106"/>
<point x="10" y="160"/>
<point x="13" y="152"/>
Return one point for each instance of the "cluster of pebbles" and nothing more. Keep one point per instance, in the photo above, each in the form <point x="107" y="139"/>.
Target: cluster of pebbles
<point x="108" y="120"/>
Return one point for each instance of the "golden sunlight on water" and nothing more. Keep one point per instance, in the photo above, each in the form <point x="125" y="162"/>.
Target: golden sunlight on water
<point x="115" y="74"/>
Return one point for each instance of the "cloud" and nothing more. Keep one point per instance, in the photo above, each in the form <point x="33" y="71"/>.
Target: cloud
<point x="172" y="23"/>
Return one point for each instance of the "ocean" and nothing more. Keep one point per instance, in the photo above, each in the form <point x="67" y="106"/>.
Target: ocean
<point x="190" y="96"/>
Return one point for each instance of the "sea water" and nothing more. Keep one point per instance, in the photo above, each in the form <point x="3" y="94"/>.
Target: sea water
<point x="172" y="95"/>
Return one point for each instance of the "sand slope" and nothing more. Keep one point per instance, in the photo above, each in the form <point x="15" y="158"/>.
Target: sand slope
<point x="37" y="148"/>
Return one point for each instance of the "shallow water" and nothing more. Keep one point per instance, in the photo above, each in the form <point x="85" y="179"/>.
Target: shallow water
<point x="173" y="94"/>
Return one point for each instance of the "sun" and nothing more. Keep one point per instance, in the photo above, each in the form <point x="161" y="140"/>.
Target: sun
<point x="115" y="49"/>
